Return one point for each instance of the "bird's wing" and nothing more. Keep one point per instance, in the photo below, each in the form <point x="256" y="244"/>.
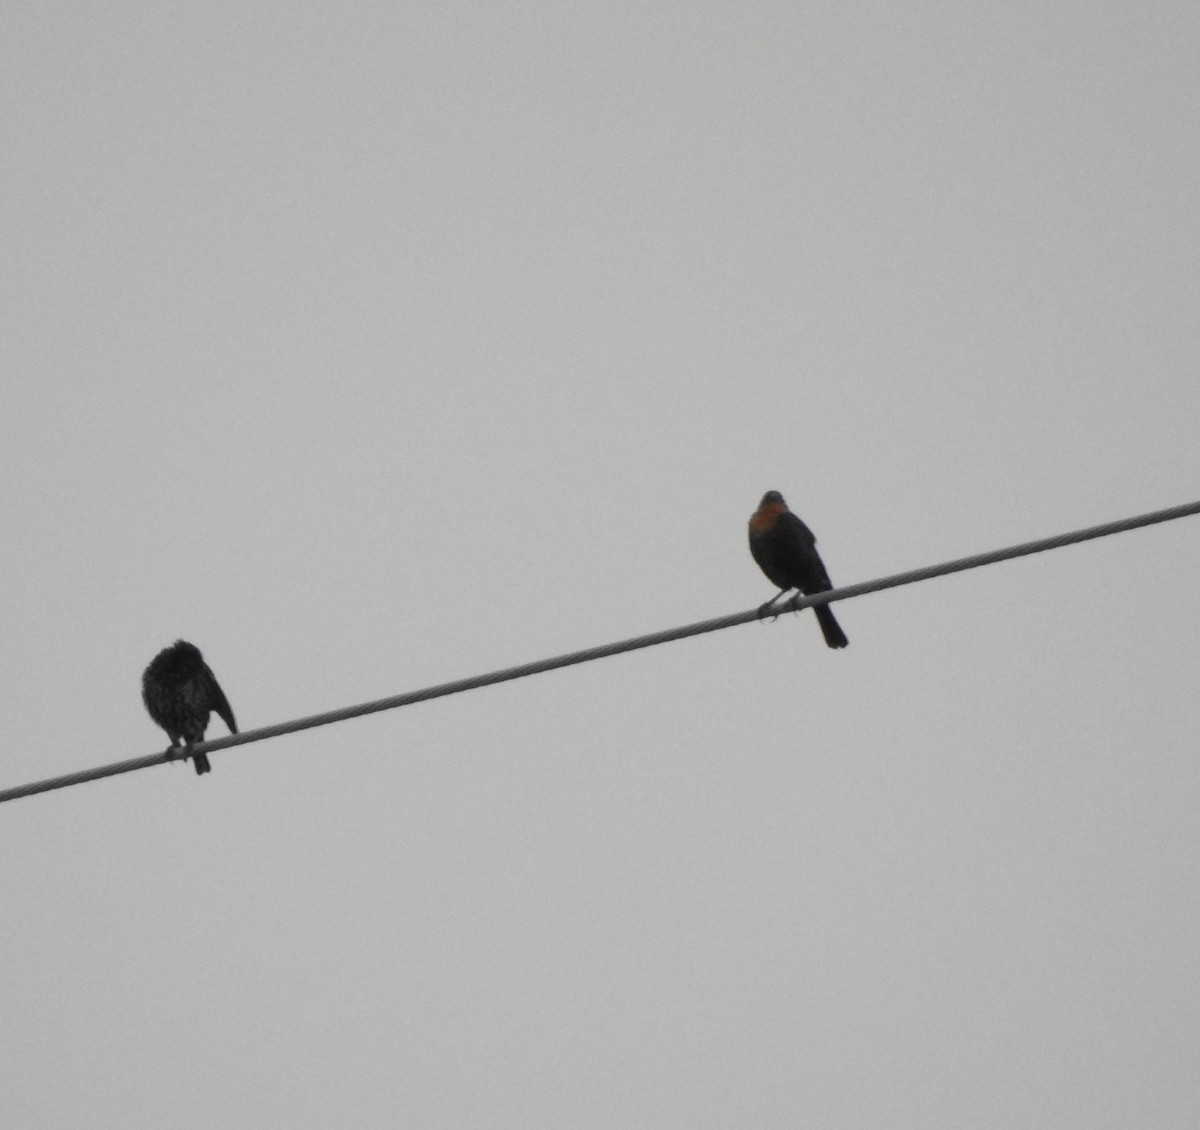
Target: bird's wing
<point x="802" y="548"/>
<point x="798" y="536"/>
<point x="219" y="702"/>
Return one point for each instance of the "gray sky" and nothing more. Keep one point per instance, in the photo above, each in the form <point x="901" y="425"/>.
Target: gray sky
<point x="374" y="345"/>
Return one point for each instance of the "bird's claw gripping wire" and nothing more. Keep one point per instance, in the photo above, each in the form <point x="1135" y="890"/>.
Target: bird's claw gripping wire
<point x="763" y="609"/>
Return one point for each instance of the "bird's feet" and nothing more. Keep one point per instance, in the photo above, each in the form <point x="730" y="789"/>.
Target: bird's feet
<point x="764" y="609"/>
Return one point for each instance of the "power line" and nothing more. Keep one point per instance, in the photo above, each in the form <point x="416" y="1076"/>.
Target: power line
<point x="637" y="642"/>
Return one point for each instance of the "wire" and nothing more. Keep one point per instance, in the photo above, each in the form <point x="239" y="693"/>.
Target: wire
<point x="588" y="654"/>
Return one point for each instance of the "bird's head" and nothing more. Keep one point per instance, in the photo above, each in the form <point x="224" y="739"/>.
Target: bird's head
<point x="186" y="655"/>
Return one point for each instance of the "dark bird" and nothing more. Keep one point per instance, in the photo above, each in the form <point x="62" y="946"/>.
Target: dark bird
<point x="786" y="551"/>
<point x="179" y="690"/>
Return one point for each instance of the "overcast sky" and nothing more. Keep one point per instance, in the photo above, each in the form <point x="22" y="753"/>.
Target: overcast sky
<point x="371" y="345"/>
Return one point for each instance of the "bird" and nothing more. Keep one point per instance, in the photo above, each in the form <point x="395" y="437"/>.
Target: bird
<point x="786" y="551"/>
<point x="179" y="691"/>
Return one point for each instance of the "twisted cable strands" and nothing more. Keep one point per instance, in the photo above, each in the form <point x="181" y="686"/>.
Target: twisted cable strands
<point x="634" y="644"/>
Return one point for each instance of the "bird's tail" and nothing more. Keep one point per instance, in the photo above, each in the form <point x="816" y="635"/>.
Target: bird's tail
<point x="200" y="760"/>
<point x="834" y="636"/>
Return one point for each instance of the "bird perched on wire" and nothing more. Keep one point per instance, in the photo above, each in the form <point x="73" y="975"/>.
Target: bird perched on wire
<point x="786" y="551"/>
<point x="179" y="691"/>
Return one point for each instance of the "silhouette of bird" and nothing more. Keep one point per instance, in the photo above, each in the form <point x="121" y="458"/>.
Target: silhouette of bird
<point x="179" y="691"/>
<point x="786" y="551"/>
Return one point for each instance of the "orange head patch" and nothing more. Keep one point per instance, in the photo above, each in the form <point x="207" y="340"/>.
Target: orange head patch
<point x="768" y="512"/>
